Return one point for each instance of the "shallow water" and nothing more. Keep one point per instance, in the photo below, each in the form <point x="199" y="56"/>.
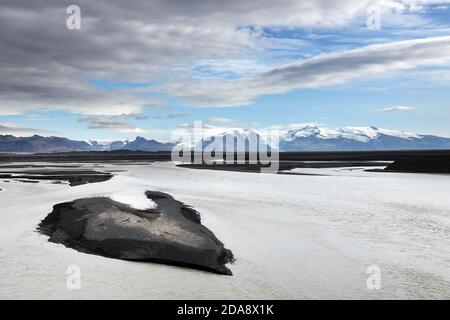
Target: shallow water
<point x="294" y="236"/>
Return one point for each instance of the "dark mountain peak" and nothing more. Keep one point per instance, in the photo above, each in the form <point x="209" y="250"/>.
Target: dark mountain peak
<point x="142" y="144"/>
<point x="40" y="144"/>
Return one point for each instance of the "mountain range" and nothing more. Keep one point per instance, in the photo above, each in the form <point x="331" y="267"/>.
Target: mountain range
<point x="301" y="138"/>
<point x="314" y="138"/>
<point x="40" y="144"/>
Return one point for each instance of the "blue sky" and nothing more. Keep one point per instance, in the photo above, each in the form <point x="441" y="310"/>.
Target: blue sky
<point x="249" y="71"/>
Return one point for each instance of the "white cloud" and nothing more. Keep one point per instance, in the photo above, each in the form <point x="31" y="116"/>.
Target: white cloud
<point x="319" y="71"/>
<point x="177" y="115"/>
<point x="219" y="120"/>
<point x="116" y="123"/>
<point x="13" y="129"/>
<point x="395" y="109"/>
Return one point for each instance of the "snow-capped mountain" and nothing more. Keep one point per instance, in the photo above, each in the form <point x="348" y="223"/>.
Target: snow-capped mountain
<point x="139" y="144"/>
<point x="363" y="134"/>
<point x="235" y="140"/>
<point x="315" y="138"/>
<point x="142" y="144"/>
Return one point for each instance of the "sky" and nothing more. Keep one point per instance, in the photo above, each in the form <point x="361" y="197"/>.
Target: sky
<point x="148" y="67"/>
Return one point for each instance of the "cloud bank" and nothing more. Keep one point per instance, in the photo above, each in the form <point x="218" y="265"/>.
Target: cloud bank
<point x="45" y="66"/>
<point x="319" y="71"/>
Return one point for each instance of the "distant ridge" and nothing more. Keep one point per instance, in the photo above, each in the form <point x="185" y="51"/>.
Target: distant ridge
<point x="39" y="144"/>
<point x="302" y="138"/>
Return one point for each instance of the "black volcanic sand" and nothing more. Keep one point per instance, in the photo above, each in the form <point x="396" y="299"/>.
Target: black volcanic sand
<point x="170" y="234"/>
<point x="148" y="157"/>
<point x="284" y="166"/>
<point x="421" y="165"/>
<point x="74" y="177"/>
<point x="31" y="166"/>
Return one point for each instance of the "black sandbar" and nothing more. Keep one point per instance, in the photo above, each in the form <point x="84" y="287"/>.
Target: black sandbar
<point x="171" y="233"/>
